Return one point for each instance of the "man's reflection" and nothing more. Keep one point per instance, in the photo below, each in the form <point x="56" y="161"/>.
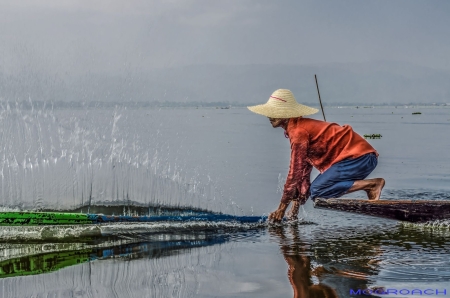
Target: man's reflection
<point x="299" y="266"/>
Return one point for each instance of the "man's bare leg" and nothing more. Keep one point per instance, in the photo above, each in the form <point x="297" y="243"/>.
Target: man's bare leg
<point x="372" y="187"/>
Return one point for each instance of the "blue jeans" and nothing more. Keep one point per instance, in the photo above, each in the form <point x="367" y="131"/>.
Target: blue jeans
<point x="338" y="179"/>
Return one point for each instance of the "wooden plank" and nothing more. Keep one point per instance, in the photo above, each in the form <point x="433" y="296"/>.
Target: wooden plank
<point x="404" y="210"/>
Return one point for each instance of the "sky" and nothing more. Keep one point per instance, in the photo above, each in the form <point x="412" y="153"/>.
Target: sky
<point x="187" y="50"/>
<point x="119" y="37"/>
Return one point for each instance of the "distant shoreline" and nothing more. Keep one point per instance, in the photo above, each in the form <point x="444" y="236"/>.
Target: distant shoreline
<point x="28" y="105"/>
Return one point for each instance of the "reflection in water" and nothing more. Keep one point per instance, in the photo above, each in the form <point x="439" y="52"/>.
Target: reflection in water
<point x="322" y="261"/>
<point x="362" y="258"/>
<point x="343" y="266"/>
<point x="374" y="249"/>
<point x="55" y="260"/>
<point x="299" y="264"/>
<point x="18" y="259"/>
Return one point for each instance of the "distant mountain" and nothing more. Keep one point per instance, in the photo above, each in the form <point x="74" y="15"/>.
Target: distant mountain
<point x="379" y="82"/>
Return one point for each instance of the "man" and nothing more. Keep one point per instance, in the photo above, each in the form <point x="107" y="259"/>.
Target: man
<point x="343" y="158"/>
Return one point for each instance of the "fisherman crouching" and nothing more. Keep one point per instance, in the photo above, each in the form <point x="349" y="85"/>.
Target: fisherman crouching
<point x="343" y="158"/>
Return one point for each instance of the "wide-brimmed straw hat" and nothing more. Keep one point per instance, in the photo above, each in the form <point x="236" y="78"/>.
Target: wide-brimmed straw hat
<point x="282" y="104"/>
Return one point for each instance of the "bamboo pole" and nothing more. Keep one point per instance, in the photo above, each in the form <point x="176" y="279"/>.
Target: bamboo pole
<point x="320" y="100"/>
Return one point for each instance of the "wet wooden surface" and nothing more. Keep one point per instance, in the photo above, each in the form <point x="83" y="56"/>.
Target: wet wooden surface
<point x="404" y="210"/>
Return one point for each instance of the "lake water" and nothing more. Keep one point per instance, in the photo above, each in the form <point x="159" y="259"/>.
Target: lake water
<point x="135" y="161"/>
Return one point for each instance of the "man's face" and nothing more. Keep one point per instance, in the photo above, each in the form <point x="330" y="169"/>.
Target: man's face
<point x="277" y="122"/>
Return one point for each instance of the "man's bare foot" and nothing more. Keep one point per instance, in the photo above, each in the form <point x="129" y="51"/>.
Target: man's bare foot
<point x="372" y="187"/>
<point x="374" y="192"/>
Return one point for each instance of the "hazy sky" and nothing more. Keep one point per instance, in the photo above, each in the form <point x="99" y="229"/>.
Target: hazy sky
<point x="97" y="36"/>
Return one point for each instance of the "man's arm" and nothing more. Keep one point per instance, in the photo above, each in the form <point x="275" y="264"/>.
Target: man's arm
<point x="303" y="197"/>
<point x="297" y="181"/>
<point x="305" y="183"/>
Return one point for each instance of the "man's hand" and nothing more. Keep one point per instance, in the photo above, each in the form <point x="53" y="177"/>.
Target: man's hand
<point x="278" y="214"/>
<point x="293" y="212"/>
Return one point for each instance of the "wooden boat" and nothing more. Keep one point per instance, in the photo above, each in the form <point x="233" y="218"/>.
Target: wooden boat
<point x="404" y="210"/>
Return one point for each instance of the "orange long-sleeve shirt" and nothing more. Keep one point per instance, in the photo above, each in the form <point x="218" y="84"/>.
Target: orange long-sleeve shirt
<point x="318" y="144"/>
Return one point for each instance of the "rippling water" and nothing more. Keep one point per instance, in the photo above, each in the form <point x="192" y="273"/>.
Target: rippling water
<point x="184" y="161"/>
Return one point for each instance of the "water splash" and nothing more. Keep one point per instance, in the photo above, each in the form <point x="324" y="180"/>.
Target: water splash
<point x="57" y="158"/>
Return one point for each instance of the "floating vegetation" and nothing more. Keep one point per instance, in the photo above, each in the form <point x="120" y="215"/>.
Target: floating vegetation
<point x="417" y="113"/>
<point x="442" y="225"/>
<point x="373" y="136"/>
